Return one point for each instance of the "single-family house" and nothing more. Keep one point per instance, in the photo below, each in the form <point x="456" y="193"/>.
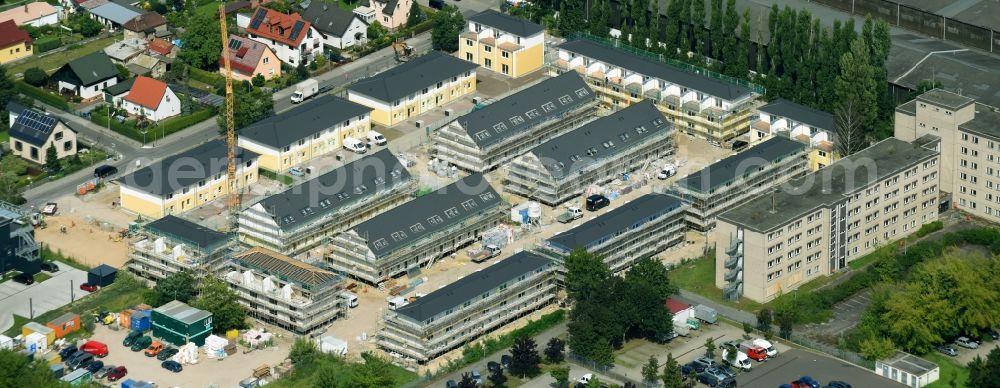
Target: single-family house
<point x="13" y="112"/>
<point x="391" y="13"/>
<point x="152" y="99"/>
<point x="87" y="76"/>
<point x="34" y="132"/>
<point x="248" y="58"/>
<point x="15" y="43"/>
<point x="338" y="27"/>
<point x="293" y="39"/>
<point x="121" y="52"/>
<point x="35" y="14"/>
<point x="162" y="47"/>
<point x="145" y="26"/>
<point x="145" y="64"/>
<point x="113" y="15"/>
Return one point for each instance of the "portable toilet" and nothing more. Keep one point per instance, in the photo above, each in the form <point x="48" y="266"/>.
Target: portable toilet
<point x="35" y="327"/>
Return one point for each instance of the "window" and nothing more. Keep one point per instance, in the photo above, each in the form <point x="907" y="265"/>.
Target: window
<point x="68" y="146"/>
<point x="468" y="57"/>
<point x="18" y="145"/>
<point x="488" y="49"/>
<point x="59" y="135"/>
<point x="505" y="54"/>
<point x="468" y="42"/>
<point x="266" y="60"/>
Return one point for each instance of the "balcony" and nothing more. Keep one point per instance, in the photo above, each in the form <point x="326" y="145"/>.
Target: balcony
<point x="652" y="94"/>
<point x="672" y="99"/>
<point x="714" y="113"/>
<point x="634" y="87"/>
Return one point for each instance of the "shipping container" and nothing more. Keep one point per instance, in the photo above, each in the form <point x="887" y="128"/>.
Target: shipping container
<point x="58" y="370"/>
<point x="178" y="323"/>
<point x="64" y="324"/>
<point x="52" y="358"/>
<point x="77" y="377"/>
<point x="125" y="319"/>
<point x="35" y="327"/>
<point x="139" y="321"/>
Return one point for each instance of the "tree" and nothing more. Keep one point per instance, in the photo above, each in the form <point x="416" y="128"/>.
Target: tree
<point x="259" y="80"/>
<point x="16" y="370"/>
<point x="849" y="128"/>
<point x="554" y="350"/>
<point x="701" y="38"/>
<point x="729" y="353"/>
<point x="303" y="352"/>
<point x="716" y="30"/>
<point x="747" y="328"/>
<point x="786" y="318"/>
<point x="123" y="73"/>
<point x="524" y="357"/>
<point x="201" y="42"/>
<point x="7" y="92"/>
<point x="572" y="17"/>
<point x="673" y="29"/>
<point x="985" y="373"/>
<point x="373" y="373"/>
<point x="416" y="15"/>
<point x="376" y="32"/>
<point x="52" y="159"/>
<point x="448" y="24"/>
<point x="467" y="381"/>
<point x="877" y="348"/>
<point x="730" y="45"/>
<point x="598" y="22"/>
<point x="216" y="297"/>
<point x="35" y="76"/>
<point x="856" y="85"/>
<point x="651" y="370"/>
<point x="586" y="274"/>
<point x="83" y="24"/>
<point x="561" y="375"/>
<point x="924" y="86"/>
<point x="764" y="320"/>
<point x="672" y="376"/>
<point x="249" y="107"/>
<point x="177" y="286"/>
<point x="497" y="378"/>
<point x="710" y="347"/>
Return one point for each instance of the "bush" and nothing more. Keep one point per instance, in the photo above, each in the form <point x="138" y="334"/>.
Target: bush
<point x="47" y="43"/>
<point x="930" y="228"/>
<point x="473" y="353"/>
<point x="205" y="77"/>
<point x="41" y="95"/>
<point x="35" y="76"/>
<point x="178" y="123"/>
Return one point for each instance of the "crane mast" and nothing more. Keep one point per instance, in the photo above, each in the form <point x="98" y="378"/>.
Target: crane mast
<point x="233" y="199"/>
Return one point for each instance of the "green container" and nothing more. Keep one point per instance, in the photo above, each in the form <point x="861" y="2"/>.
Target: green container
<point x="178" y="324"/>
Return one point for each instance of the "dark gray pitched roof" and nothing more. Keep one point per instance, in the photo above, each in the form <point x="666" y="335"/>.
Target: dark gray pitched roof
<point x="473" y="285"/>
<point x="328" y="19"/>
<point x="601" y="138"/>
<point x="726" y="170"/>
<point x="412" y="76"/>
<point x="15" y="107"/>
<point x="188" y="232"/>
<point x="652" y="68"/>
<point x="320" y="196"/>
<point x="800" y="113"/>
<point x="423" y="216"/>
<point x="517" y="112"/>
<point x="512" y="24"/>
<point x="91" y="69"/>
<point x="617" y="220"/>
<point x="184" y="169"/>
<point x="287" y="268"/>
<point x="303" y="121"/>
<point x="390" y="7"/>
<point x="33" y="127"/>
<point x="120" y="87"/>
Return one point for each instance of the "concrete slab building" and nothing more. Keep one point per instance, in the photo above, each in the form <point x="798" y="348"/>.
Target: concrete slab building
<point x="811" y="126"/>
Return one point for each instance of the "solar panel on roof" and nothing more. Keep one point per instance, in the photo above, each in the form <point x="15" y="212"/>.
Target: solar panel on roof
<point x="296" y="30"/>
<point x="235" y="44"/>
<point x="258" y="18"/>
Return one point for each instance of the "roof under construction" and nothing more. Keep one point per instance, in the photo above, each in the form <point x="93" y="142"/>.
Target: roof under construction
<point x="286" y="268"/>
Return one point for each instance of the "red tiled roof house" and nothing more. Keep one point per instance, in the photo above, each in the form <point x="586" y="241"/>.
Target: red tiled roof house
<point x="248" y="58"/>
<point x="14" y="42"/>
<point x="293" y="39"/>
<point x="152" y="99"/>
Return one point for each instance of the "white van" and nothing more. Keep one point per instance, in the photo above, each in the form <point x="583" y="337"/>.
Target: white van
<point x="355" y="145"/>
<point x="376" y="138"/>
<point x="351" y="298"/>
<point x="771" y="351"/>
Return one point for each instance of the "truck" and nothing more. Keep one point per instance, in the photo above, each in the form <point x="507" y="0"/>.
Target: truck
<point x="350" y="297"/>
<point x="481" y="255"/>
<point x="305" y="90"/>
<point x="706" y="314"/>
<point x="768" y="347"/>
<point x="754" y="352"/>
<point x="740" y="361"/>
<point x="571" y="214"/>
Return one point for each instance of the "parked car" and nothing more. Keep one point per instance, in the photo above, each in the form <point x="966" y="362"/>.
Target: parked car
<point x="714" y="378"/>
<point x="172" y="366"/>
<point x="103" y="372"/>
<point x="296" y="171"/>
<point x="79" y="360"/>
<point x="141" y="343"/>
<point x="117" y="373"/>
<point x="967" y="343"/>
<point x="88" y="287"/>
<point x="155" y="348"/>
<point x="597" y="202"/>
<point x="49" y="266"/>
<point x="478" y="378"/>
<point x="947" y="350"/>
<point x="25" y="279"/>
<point x="992" y="333"/>
<point x="68" y="351"/>
<point x="492" y="367"/>
<point x="505" y="361"/>
<point x="131" y="337"/>
<point x="98" y="349"/>
<point x="806" y="382"/>
<point x="451" y="384"/>
<point x="105" y="171"/>
<point x="838" y="384"/>
<point x="166" y="353"/>
<point x="95" y="366"/>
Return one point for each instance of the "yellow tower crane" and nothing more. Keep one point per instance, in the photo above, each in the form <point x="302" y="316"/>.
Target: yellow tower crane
<point x="233" y="199"/>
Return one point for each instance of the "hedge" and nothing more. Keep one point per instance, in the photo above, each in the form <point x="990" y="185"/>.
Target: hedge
<point x="205" y="77"/>
<point x="178" y="123"/>
<point x="285" y="179"/>
<point x="47" y="43"/>
<point x="473" y="353"/>
<point x="41" y="95"/>
<point x="161" y="130"/>
<point x="928" y="228"/>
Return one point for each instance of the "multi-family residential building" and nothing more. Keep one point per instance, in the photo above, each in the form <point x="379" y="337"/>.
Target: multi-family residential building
<point x="34" y="132"/>
<point x="288" y="293"/>
<point x="817" y="224"/>
<point x="304" y="216"/>
<point x="502" y="43"/>
<point x="594" y="153"/>
<point x="172" y="244"/>
<point x="698" y="104"/>
<point x="419" y="232"/>
<point x="414" y="88"/>
<point x="485" y="138"/>
<point x="15" y="43"/>
<point x="184" y="181"/>
<point x="305" y="132"/>
<point x="470" y="307"/>
<point x="970" y="147"/>
<point x="293" y="39"/>
<point x="723" y="184"/>
<point x="634" y="230"/>
<point x="799" y="122"/>
<point x="249" y="58"/>
<point x="17" y="236"/>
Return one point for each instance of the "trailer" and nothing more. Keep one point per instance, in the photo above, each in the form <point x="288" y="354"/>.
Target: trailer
<point x="706" y="314"/>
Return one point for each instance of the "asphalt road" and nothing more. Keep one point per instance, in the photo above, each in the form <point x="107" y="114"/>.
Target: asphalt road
<point x="794" y="363"/>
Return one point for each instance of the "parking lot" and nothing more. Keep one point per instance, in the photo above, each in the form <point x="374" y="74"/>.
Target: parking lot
<point x="791" y="364"/>
<point x="227" y="372"/>
<point x="58" y="291"/>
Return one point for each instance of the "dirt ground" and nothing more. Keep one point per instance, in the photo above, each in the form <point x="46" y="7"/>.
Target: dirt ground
<point x="91" y="228"/>
<point x="207" y="372"/>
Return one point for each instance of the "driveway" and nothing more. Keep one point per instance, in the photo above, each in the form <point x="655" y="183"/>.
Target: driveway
<point x="15" y="298"/>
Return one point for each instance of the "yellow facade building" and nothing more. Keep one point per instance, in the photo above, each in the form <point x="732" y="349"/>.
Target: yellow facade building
<point x="799" y="122"/>
<point x="15" y="43"/>
<point x="703" y="106"/>
<point x="414" y="88"/>
<point x="306" y="132"/>
<point x="185" y="181"/>
<point x="502" y="43"/>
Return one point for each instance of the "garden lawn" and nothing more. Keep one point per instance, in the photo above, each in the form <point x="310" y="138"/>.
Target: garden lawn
<point x="698" y="276"/>
<point x="162" y="129"/>
<point x="54" y="61"/>
<point x="4" y="137"/>
<point x="111" y="298"/>
<point x="949" y="370"/>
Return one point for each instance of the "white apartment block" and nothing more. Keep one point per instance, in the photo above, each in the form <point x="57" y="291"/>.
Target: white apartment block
<point x="799" y="122"/>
